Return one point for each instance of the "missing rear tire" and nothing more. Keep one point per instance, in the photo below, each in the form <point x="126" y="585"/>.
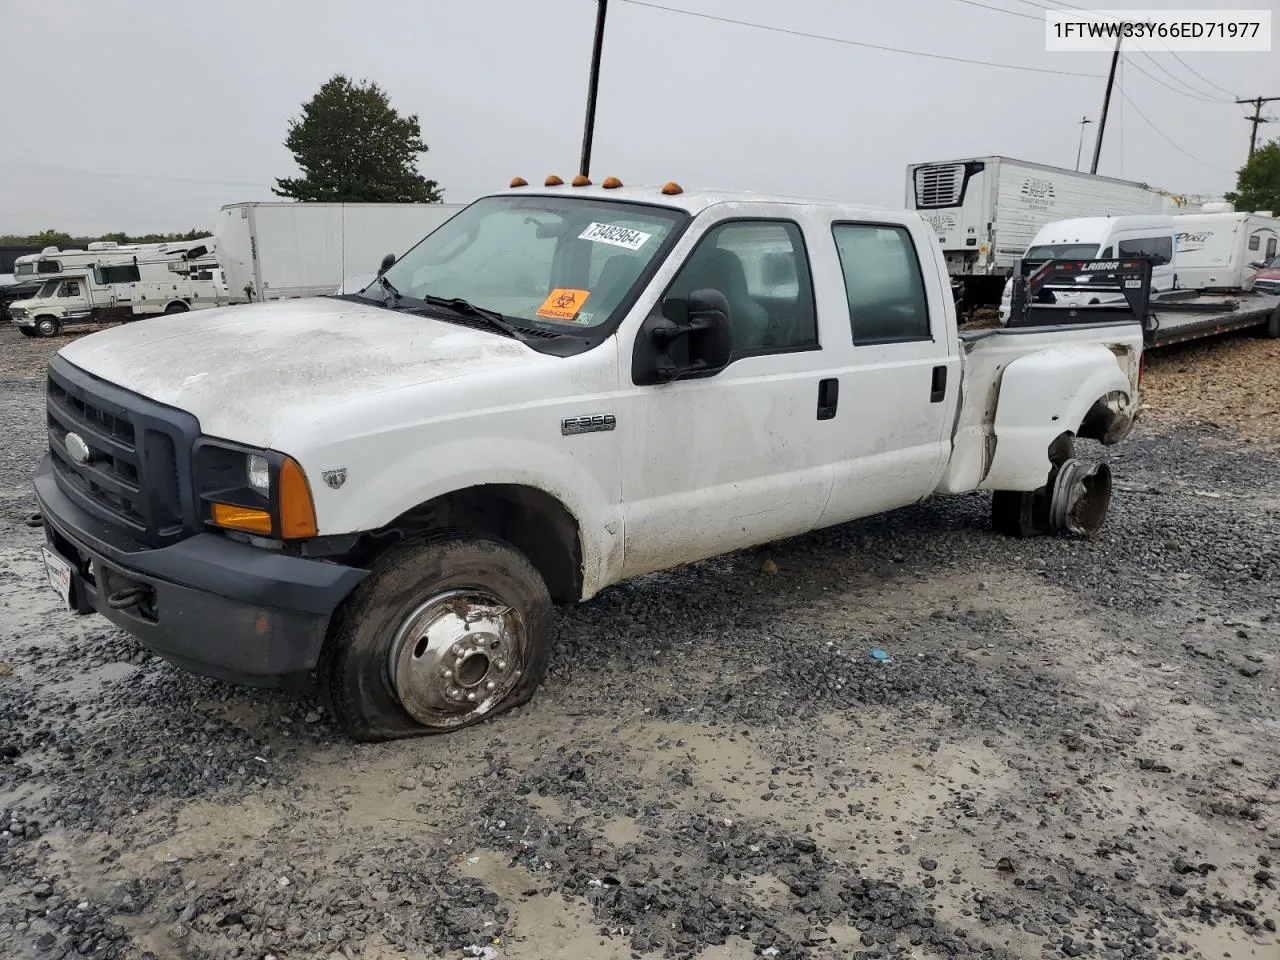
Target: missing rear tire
<point x="1014" y="513"/>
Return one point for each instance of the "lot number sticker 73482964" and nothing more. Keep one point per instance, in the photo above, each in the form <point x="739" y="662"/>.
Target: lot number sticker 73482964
<point x="618" y="236"/>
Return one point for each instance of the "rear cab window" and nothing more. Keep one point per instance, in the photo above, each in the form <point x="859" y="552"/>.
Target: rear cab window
<point x="884" y="283"/>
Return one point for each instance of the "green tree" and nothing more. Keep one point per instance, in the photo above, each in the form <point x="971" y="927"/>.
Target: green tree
<point x="1258" y="181"/>
<point x="50" y="238"/>
<point x="353" y="146"/>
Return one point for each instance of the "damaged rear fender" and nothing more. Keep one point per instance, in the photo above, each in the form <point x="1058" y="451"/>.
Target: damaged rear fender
<point x="1078" y="389"/>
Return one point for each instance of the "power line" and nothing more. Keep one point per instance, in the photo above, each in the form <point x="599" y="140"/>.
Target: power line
<point x="1012" y="13"/>
<point x="1057" y="6"/>
<point x="1194" y="94"/>
<point x="1166" y="139"/>
<point x="1189" y="67"/>
<point x="858" y="43"/>
<point x="1183" y="93"/>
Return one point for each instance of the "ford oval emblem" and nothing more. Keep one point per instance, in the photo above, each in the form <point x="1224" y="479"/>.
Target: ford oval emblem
<point x="77" y="448"/>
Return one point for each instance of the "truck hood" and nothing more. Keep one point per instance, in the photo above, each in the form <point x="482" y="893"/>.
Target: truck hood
<point x="245" y="371"/>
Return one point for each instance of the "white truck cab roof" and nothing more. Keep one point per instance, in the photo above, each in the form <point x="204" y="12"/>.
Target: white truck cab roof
<point x="695" y="201"/>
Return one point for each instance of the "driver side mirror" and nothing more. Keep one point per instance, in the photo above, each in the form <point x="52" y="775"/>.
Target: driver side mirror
<point x="701" y="345"/>
<point x="387" y="263"/>
<point x="1258" y="265"/>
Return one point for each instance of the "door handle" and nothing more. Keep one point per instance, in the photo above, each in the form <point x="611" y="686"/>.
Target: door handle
<point x="828" y="395"/>
<point x="938" y="390"/>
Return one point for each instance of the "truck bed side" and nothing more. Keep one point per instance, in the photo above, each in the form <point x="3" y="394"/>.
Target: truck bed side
<point x="1025" y="387"/>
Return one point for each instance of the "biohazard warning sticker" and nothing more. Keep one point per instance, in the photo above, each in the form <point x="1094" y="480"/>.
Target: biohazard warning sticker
<point x="563" y="304"/>
<point x="618" y="236"/>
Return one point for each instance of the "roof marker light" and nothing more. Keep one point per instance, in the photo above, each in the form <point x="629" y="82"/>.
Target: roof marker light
<point x="554" y="181"/>
<point x="581" y="181"/>
<point x="671" y="189"/>
<point x="611" y="183"/>
<point x="519" y="182"/>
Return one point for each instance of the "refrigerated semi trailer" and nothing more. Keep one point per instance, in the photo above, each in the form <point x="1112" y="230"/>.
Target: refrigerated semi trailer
<point x="986" y="210"/>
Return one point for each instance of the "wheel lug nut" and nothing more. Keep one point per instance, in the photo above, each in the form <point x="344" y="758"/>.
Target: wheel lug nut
<point x="471" y="696"/>
<point x="448" y="674"/>
<point x="502" y="664"/>
<point x="452" y="691"/>
<point x="457" y="649"/>
<point x="490" y="685"/>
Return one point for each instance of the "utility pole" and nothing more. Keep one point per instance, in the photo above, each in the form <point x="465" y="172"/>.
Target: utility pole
<point x="1106" y="102"/>
<point x="1256" y="119"/>
<point x="1080" y="145"/>
<point x="590" y="126"/>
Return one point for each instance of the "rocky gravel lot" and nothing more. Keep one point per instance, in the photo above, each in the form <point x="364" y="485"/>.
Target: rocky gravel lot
<point x="1073" y="751"/>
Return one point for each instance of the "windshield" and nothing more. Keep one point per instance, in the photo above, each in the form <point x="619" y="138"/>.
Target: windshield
<point x="558" y="262"/>
<point x="1062" y="251"/>
<point x="47" y="289"/>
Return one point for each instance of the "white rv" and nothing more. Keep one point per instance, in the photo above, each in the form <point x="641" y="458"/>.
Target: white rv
<point x="279" y="250"/>
<point x="986" y="211"/>
<point x="110" y="281"/>
<point x="1101" y="238"/>
<point x="1223" y="250"/>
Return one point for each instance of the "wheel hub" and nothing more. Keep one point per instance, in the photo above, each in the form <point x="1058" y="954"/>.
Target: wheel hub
<point x="456" y="656"/>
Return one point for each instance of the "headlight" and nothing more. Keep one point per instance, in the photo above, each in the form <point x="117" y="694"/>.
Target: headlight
<point x="254" y="491"/>
<point x="259" y="473"/>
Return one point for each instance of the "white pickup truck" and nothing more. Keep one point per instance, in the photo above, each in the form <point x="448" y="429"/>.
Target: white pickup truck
<point x="385" y="493"/>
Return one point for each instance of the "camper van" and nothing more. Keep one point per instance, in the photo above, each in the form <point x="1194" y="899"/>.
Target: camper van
<point x="1101" y="238"/>
<point x="1223" y="250"/>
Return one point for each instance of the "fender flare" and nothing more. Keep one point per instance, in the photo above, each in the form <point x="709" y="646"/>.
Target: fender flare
<point x="1043" y="395"/>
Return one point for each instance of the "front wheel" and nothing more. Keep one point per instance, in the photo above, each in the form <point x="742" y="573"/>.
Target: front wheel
<point x="27" y="331"/>
<point x="443" y="634"/>
<point x="47" y="326"/>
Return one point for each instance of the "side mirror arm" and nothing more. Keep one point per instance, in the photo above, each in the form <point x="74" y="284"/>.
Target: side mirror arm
<point x="710" y="341"/>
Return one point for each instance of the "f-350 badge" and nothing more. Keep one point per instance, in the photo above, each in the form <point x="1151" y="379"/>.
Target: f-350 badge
<point x="335" y="478"/>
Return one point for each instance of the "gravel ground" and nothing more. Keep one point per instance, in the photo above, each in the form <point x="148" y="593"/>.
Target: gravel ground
<point x="1073" y="751"/>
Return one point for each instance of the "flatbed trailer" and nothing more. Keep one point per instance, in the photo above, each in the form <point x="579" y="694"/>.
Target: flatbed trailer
<point x="1176" y="317"/>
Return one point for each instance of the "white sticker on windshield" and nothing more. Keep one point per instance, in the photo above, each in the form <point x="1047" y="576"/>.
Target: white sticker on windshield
<point x="618" y="236"/>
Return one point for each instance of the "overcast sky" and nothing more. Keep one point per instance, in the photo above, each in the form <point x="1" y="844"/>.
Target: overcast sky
<point x="149" y="115"/>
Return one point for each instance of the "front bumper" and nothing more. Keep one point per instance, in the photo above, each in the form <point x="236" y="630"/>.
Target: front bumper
<point x="211" y="606"/>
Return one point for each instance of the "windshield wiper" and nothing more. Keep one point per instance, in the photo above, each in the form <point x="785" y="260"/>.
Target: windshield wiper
<point x="468" y="309"/>
<point x="395" y="294"/>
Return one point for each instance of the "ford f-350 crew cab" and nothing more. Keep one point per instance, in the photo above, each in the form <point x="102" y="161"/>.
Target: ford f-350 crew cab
<point x="385" y="493"/>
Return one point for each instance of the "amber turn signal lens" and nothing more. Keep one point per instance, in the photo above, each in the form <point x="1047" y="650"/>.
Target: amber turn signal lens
<point x="297" y="509"/>
<point x="554" y="181"/>
<point x="519" y="182"/>
<point x="242" y="518"/>
<point x="611" y="183"/>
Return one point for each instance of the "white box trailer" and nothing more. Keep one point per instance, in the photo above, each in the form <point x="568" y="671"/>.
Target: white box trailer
<point x="1221" y="250"/>
<point x="277" y="250"/>
<point x="986" y="211"/>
